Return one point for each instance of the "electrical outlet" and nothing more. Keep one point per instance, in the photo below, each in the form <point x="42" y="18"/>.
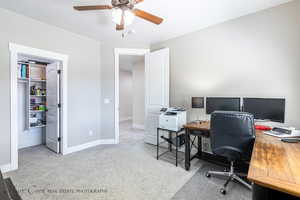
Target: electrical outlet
<point x="91" y="133"/>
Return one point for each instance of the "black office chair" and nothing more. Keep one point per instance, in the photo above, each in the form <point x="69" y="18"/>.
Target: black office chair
<point x="232" y="136"/>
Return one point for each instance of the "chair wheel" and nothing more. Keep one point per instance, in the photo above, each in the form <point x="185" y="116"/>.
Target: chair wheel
<point x="207" y="175"/>
<point x="223" y="191"/>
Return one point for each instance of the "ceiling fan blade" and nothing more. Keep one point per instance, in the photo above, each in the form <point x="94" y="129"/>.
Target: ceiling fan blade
<point x="147" y="16"/>
<point x="138" y="1"/>
<point x="95" y="7"/>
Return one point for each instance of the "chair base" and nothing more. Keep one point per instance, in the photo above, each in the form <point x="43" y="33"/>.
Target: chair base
<point x="231" y="177"/>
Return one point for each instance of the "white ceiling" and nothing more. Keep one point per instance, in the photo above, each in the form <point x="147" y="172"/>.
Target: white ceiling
<point x="181" y="17"/>
<point x="127" y="62"/>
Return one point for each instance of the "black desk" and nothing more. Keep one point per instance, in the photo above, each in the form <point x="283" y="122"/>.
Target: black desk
<point x="171" y="141"/>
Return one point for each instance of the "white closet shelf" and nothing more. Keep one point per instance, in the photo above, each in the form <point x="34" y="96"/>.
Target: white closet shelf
<point x="40" y="126"/>
<point x="37" y="111"/>
<point x="23" y="63"/>
<point x="37" y="65"/>
<point x="37" y="80"/>
<point x="38" y="95"/>
<point x="23" y="80"/>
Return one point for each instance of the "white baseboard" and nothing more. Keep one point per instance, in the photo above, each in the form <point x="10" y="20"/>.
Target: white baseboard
<point x="125" y="119"/>
<point x="6" y="168"/>
<point x="108" y="141"/>
<point x="138" y="126"/>
<point x="88" y="145"/>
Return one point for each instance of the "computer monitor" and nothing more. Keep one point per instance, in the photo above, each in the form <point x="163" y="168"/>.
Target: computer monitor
<point x="197" y="102"/>
<point x="265" y="109"/>
<point x="222" y="103"/>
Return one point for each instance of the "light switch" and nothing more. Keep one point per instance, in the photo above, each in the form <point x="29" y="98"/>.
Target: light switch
<point x="106" y="101"/>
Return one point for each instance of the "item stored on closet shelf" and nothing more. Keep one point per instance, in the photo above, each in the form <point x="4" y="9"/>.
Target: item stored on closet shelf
<point x="42" y="107"/>
<point x="32" y="90"/>
<point x="24" y="71"/>
<point x="38" y="92"/>
<point x="43" y="92"/>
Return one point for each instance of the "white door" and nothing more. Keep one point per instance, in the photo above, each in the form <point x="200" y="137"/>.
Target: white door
<point x="157" y="90"/>
<point x="53" y="113"/>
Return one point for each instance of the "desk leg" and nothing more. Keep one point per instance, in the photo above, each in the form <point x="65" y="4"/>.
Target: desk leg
<point x="157" y="146"/>
<point x="187" y="149"/>
<point x="170" y="138"/>
<point x="263" y="193"/>
<point x="260" y="193"/>
<point x="199" y="147"/>
<point x="176" y="148"/>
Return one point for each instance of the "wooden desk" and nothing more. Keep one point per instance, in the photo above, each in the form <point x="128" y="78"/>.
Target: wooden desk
<point x="274" y="164"/>
<point x="203" y="129"/>
<point x="203" y="126"/>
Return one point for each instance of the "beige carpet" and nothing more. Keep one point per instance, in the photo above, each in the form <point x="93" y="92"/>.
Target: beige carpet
<point x="113" y="172"/>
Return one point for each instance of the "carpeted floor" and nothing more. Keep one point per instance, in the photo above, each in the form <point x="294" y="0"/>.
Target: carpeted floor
<point x="199" y="187"/>
<point x="128" y="135"/>
<point x="128" y="171"/>
<point x="113" y="172"/>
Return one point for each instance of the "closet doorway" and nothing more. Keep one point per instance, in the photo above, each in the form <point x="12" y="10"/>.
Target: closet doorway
<point x="38" y="99"/>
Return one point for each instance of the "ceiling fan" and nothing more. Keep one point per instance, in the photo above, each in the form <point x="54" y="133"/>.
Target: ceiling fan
<point x="123" y="12"/>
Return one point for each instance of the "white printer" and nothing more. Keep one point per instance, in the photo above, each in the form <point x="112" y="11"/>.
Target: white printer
<point x="172" y="119"/>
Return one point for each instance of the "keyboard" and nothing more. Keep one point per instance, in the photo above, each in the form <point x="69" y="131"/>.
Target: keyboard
<point x="277" y="134"/>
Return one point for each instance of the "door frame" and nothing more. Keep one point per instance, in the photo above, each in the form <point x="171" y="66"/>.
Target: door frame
<point x="16" y="49"/>
<point x="118" y="53"/>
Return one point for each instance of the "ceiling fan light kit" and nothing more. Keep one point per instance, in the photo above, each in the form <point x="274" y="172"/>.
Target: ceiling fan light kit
<point x="123" y="12"/>
<point x="118" y="14"/>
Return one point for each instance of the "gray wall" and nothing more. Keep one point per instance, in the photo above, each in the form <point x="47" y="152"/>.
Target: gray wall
<point x="125" y="95"/>
<point x="255" y="56"/>
<point x="83" y="75"/>
<point x="108" y="84"/>
<point x="138" y="74"/>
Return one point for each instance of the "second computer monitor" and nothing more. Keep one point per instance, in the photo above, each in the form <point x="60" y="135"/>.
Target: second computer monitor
<point x="265" y="109"/>
<point x="222" y="103"/>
